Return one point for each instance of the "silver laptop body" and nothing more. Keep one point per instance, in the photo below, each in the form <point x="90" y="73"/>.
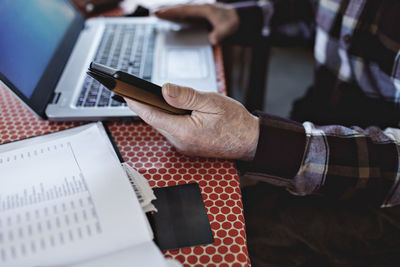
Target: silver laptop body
<point x="180" y="56"/>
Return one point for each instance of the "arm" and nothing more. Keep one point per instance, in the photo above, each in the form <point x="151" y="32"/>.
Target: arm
<point x="292" y="19"/>
<point x="246" y="21"/>
<point x="340" y="162"/>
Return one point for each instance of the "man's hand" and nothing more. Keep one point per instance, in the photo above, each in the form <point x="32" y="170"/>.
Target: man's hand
<point x="218" y="126"/>
<point x="223" y="18"/>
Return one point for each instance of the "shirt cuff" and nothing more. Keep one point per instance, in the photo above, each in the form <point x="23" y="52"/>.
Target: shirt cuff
<point x="280" y="148"/>
<point x="254" y="20"/>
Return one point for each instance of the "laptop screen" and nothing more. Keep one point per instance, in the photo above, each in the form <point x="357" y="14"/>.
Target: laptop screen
<point x="32" y="31"/>
<point x="33" y="50"/>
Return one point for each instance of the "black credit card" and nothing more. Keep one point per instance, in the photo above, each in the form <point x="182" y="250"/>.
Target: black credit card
<point x="181" y="220"/>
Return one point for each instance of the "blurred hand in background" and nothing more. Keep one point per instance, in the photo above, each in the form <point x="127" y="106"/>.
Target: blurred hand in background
<point x="223" y="18"/>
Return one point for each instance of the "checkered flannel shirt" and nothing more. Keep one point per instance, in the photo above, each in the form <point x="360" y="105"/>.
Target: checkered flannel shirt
<point x="348" y="144"/>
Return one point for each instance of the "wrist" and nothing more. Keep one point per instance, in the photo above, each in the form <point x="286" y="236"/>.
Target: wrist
<point x="252" y="142"/>
<point x="235" y="19"/>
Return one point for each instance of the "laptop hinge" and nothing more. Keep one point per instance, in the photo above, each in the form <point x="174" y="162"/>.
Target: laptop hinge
<point x="56" y="97"/>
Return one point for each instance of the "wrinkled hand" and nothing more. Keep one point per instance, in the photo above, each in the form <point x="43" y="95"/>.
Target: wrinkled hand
<point x="218" y="126"/>
<point x="223" y="18"/>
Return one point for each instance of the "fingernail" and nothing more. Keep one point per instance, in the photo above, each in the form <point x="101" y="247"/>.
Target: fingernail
<point x="172" y="90"/>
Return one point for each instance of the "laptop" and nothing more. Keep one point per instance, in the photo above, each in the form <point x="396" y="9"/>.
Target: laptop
<point x="47" y="46"/>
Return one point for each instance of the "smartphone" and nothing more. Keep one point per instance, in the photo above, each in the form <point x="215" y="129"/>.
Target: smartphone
<point x="132" y="87"/>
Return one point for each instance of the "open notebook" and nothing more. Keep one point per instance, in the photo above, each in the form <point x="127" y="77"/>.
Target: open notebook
<point x="66" y="200"/>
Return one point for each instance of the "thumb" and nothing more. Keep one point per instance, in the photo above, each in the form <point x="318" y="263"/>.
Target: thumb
<point x="214" y="37"/>
<point x="188" y="98"/>
<point x="217" y="35"/>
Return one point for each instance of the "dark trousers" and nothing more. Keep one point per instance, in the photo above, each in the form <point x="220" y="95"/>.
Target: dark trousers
<point x="287" y="230"/>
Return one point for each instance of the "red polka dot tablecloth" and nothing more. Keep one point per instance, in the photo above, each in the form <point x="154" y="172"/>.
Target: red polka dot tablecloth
<point x="149" y="152"/>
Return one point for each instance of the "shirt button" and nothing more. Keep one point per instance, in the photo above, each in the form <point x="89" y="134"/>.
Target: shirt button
<point x="346" y="38"/>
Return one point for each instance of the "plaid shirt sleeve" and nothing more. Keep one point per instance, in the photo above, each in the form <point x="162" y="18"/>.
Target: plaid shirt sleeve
<point x="336" y="161"/>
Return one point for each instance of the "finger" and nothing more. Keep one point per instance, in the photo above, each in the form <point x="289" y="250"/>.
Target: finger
<point x="190" y="99"/>
<point x="155" y="117"/>
<point x="182" y="12"/>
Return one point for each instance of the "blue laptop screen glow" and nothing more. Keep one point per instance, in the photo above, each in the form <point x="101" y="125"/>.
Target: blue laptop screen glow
<point x="30" y="34"/>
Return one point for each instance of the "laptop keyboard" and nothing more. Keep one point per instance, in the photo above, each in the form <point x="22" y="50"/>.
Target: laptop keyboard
<point x="129" y="48"/>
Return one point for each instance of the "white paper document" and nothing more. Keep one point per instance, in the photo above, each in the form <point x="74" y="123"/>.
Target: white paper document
<point x="65" y="199"/>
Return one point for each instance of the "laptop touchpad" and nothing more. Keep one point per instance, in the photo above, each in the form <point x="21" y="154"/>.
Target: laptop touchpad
<point x="184" y="63"/>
